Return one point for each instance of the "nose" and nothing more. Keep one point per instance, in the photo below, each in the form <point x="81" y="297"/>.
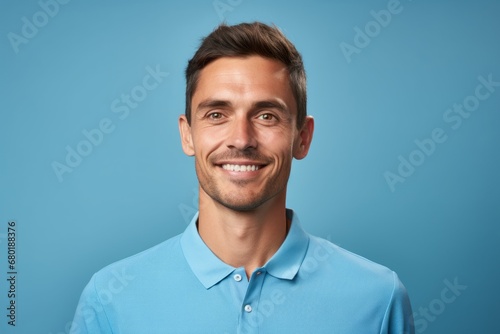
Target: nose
<point x="241" y="134"/>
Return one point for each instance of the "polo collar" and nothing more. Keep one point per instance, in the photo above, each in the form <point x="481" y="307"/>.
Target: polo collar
<point x="210" y="270"/>
<point x="286" y="262"/>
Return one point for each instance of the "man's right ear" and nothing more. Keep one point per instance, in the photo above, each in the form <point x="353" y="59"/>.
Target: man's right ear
<point x="186" y="137"/>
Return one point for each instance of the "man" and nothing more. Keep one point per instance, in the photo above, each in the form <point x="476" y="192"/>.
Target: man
<point x="244" y="264"/>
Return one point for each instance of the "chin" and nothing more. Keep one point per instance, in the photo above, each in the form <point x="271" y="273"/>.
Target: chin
<point x="241" y="206"/>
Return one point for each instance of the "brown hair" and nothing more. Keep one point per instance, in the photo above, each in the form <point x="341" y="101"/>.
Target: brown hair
<point x="247" y="39"/>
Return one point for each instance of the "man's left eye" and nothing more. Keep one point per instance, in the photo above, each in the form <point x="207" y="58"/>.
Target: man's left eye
<point x="215" y="115"/>
<point x="267" y="117"/>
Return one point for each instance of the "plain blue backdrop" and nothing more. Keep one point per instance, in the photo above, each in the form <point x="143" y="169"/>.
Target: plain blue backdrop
<point x="377" y="86"/>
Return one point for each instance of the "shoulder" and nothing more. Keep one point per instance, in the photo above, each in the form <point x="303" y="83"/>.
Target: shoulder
<point x="358" y="285"/>
<point x="117" y="287"/>
<point x="345" y="267"/>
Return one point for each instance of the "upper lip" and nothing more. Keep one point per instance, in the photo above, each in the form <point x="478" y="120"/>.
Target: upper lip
<point x="241" y="162"/>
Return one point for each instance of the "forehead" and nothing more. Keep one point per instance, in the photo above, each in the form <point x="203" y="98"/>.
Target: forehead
<point x="243" y="77"/>
<point x="253" y="67"/>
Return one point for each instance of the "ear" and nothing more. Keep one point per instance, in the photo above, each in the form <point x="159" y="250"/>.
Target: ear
<point x="304" y="139"/>
<point x="186" y="137"/>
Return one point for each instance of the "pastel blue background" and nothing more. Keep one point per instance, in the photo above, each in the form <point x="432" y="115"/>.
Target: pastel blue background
<point x="137" y="188"/>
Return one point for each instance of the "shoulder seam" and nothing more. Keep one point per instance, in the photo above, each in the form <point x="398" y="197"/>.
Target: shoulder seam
<point x="387" y="310"/>
<point x="100" y="302"/>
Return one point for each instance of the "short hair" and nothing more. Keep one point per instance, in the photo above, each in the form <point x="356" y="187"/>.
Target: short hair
<point x="247" y="39"/>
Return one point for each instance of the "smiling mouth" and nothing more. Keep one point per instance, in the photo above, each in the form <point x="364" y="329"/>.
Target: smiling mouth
<point x="240" y="168"/>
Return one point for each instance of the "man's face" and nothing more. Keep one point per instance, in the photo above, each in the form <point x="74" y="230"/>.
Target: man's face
<point x="243" y="131"/>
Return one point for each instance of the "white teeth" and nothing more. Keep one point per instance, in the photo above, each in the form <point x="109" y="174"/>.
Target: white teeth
<point x="240" y="168"/>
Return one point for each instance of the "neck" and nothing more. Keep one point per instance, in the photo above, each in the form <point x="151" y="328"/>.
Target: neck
<point x="243" y="239"/>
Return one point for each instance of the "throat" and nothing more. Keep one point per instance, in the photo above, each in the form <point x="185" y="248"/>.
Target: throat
<point x="244" y="245"/>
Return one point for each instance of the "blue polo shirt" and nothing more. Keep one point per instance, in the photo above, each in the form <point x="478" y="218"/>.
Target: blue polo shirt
<point x="309" y="286"/>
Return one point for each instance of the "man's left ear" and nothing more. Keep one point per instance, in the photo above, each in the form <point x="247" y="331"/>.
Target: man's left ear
<point x="304" y="139"/>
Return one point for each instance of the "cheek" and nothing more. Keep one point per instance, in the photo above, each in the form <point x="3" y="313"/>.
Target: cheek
<point x="206" y="141"/>
<point x="281" y="148"/>
<point x="278" y="143"/>
<point x="279" y="136"/>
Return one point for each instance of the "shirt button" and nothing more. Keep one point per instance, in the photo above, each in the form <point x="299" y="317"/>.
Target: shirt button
<point x="259" y="272"/>
<point x="248" y="308"/>
<point x="237" y="277"/>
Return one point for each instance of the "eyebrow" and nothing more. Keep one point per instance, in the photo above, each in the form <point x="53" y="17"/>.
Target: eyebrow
<point x="208" y="104"/>
<point x="266" y="104"/>
<point x="271" y="104"/>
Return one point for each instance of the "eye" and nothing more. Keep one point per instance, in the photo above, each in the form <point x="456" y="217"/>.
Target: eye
<point x="267" y="117"/>
<point x="215" y="115"/>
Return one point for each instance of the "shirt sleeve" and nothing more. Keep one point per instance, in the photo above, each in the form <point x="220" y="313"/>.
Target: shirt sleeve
<point x="398" y="317"/>
<point x="90" y="315"/>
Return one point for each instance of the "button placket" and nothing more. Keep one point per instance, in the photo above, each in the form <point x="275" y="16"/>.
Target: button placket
<point x="249" y="312"/>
